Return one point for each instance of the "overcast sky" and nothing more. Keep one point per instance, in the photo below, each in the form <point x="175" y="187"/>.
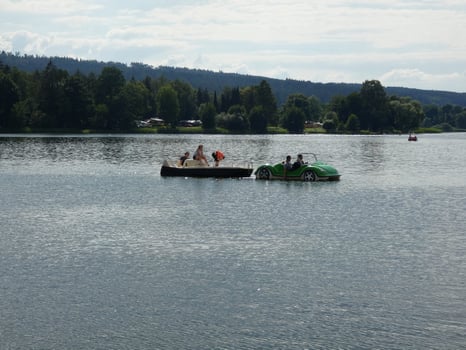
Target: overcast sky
<point x="417" y="44"/>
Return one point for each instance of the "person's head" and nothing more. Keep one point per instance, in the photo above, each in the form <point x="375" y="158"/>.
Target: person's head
<point x="300" y="156"/>
<point x="200" y="147"/>
<point x="187" y="154"/>
<point x="288" y="158"/>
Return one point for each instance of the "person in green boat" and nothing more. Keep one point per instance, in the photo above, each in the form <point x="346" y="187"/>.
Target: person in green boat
<point x="299" y="161"/>
<point x="287" y="163"/>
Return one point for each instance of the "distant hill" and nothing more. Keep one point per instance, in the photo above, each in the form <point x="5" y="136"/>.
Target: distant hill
<point x="217" y="81"/>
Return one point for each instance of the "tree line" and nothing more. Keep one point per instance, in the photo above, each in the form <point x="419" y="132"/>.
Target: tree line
<point x="216" y="81"/>
<point x="55" y="99"/>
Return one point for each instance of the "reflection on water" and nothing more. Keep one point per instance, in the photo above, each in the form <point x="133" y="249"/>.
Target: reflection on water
<point x="98" y="251"/>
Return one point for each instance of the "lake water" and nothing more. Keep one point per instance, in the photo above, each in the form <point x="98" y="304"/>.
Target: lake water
<point x="97" y="251"/>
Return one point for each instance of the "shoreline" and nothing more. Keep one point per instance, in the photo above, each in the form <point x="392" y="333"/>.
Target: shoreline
<point x="188" y="131"/>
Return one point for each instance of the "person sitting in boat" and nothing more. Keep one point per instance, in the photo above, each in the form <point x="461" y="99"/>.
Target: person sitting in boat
<point x="183" y="158"/>
<point x="299" y="161"/>
<point x="199" y="155"/>
<point x="218" y="156"/>
<point x="287" y="163"/>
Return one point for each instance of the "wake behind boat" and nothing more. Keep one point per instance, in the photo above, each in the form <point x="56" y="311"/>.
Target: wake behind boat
<point x="196" y="168"/>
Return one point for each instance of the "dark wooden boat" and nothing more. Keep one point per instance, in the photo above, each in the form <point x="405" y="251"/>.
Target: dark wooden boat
<point x="194" y="168"/>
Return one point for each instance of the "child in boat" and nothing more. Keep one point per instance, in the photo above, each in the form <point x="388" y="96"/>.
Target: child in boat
<point x="183" y="158"/>
<point x="218" y="156"/>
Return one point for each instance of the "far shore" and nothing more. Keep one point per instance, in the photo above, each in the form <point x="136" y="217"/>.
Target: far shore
<point x="219" y="131"/>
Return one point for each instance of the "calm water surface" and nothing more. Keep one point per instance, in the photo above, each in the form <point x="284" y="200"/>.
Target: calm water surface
<point x="97" y="251"/>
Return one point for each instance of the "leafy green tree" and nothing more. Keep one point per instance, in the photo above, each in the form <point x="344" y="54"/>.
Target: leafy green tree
<point x="186" y="99"/>
<point x="447" y="112"/>
<point x="344" y="106"/>
<point x="235" y="120"/>
<point x="460" y="121"/>
<point x="432" y="114"/>
<point x="237" y="109"/>
<point x="315" y="108"/>
<point x="27" y="113"/>
<point x="299" y="101"/>
<point x="408" y="114"/>
<point x="339" y="105"/>
<point x="375" y="111"/>
<point x="137" y="98"/>
<point x="352" y="124"/>
<point x="258" y="120"/>
<point x="167" y="105"/>
<point x="99" y="119"/>
<point x="109" y="84"/>
<point x="293" y="119"/>
<point x="207" y="113"/>
<point x="248" y="97"/>
<point x="330" y="123"/>
<point x="133" y="104"/>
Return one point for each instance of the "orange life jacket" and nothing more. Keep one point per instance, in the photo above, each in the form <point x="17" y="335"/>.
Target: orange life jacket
<point x="219" y="155"/>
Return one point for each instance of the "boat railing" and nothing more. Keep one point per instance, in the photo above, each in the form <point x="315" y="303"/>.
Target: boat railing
<point x="238" y="164"/>
<point x="312" y="154"/>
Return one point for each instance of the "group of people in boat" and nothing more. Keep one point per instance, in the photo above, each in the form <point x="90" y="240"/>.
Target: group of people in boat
<point x="199" y="155"/>
<point x="287" y="165"/>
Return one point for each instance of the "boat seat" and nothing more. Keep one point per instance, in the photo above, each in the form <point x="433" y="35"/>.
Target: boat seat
<point x="192" y="163"/>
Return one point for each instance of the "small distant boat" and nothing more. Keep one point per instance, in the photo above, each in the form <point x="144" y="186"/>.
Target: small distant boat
<point x="195" y="168"/>
<point x="412" y="137"/>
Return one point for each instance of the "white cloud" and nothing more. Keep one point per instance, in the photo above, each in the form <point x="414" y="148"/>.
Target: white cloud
<point x="333" y="40"/>
<point x="46" y="7"/>
<point x="423" y="80"/>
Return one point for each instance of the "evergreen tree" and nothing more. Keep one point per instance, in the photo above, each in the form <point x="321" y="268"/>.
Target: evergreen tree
<point x="9" y="93"/>
<point x="168" y="105"/>
<point x="266" y="99"/>
<point x="108" y="87"/>
<point x="78" y="102"/>
<point x="258" y="120"/>
<point x="51" y="97"/>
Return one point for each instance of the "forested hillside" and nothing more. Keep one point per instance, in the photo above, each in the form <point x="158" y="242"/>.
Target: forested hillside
<point x="121" y="98"/>
<point x="217" y="81"/>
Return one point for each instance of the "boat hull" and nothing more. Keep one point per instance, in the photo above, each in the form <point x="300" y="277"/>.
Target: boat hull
<point x="218" y="172"/>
